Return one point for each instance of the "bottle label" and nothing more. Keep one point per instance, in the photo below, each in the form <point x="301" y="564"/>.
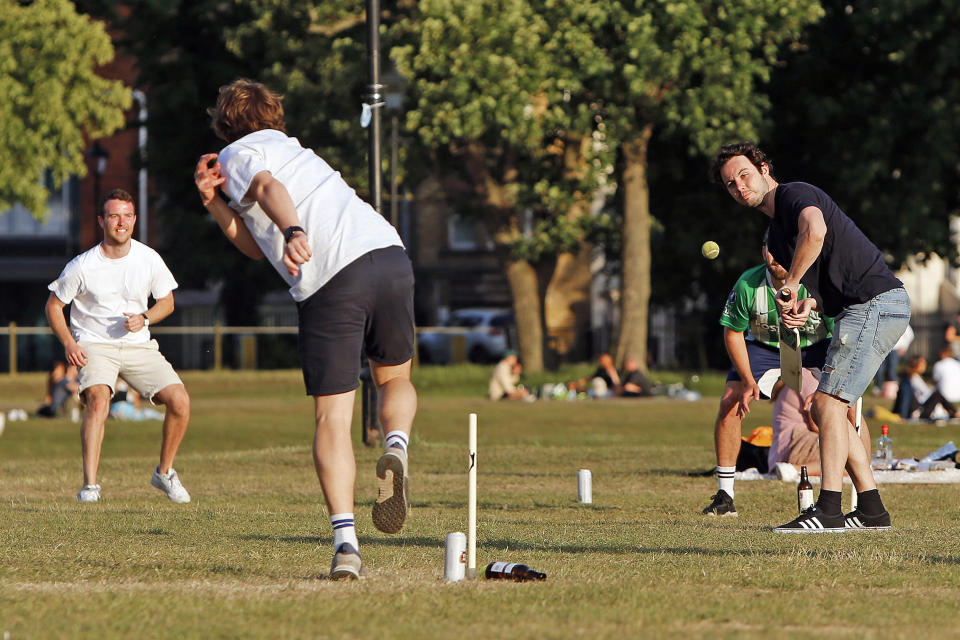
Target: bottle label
<point x="501" y="567"/>
<point x="805" y="499"/>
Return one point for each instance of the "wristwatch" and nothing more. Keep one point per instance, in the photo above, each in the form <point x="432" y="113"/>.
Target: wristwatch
<point x="289" y="231"/>
<point x="146" y="320"/>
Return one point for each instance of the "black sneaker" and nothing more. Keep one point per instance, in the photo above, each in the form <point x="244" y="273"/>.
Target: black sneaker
<point x="813" y="520"/>
<point x="722" y="505"/>
<point x="856" y="520"/>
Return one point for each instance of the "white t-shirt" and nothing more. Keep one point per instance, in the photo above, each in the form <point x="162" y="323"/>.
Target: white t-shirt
<point x="339" y="225"/>
<point x="946" y="373"/>
<point x="102" y="289"/>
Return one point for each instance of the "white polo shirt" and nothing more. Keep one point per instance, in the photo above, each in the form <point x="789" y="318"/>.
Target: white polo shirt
<point x="339" y="225"/>
<point x="102" y="289"/>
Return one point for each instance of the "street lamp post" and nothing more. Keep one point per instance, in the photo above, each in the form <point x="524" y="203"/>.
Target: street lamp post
<point x="368" y="393"/>
<point x="100" y="157"/>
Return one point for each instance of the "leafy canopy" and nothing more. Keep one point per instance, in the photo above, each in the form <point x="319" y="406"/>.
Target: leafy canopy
<point x="50" y="96"/>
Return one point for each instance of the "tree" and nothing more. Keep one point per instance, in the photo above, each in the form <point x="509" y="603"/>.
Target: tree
<point x="690" y="67"/>
<point x="497" y="97"/>
<point x="876" y="121"/>
<point x="182" y="58"/>
<point x="51" y="97"/>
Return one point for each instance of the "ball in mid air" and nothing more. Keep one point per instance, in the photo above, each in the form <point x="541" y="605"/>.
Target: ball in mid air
<point x="710" y="249"/>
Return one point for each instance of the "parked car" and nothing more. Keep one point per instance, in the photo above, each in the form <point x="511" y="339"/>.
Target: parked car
<point x="486" y="334"/>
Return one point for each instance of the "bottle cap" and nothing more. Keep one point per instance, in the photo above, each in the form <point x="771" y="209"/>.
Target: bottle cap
<point x="884" y="429"/>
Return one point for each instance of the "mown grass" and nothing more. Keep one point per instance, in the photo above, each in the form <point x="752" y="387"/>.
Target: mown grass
<point x="247" y="557"/>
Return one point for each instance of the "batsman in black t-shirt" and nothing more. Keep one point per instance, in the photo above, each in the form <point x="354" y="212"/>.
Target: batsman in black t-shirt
<point x="847" y="278"/>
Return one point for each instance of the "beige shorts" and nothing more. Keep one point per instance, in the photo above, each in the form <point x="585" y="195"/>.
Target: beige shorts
<point x="804" y="447"/>
<point x="141" y="365"/>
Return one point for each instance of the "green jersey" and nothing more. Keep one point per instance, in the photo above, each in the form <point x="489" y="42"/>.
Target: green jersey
<point x="751" y="308"/>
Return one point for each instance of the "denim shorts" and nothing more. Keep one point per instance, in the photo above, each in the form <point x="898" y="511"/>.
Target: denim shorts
<point x="863" y="335"/>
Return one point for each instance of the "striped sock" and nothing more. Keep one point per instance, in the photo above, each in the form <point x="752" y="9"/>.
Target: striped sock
<point x="397" y="438"/>
<point x="725" y="479"/>
<point x="344" y="530"/>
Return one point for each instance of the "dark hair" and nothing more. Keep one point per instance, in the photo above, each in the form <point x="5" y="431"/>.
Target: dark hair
<point x="245" y="106"/>
<point x="115" y="194"/>
<point x="749" y="150"/>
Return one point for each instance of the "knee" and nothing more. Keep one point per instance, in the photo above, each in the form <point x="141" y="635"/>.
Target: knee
<point x="97" y="400"/>
<point x="178" y="402"/>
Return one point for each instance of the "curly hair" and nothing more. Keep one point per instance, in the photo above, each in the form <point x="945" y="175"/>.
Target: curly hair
<point x="245" y="106"/>
<point x="749" y="150"/>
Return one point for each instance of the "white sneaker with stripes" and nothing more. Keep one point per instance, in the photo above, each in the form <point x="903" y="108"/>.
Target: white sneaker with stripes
<point x="813" y="520"/>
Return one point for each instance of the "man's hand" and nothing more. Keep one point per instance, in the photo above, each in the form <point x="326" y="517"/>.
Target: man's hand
<point x="296" y="252"/>
<point x="751" y="392"/>
<point x="135" y="322"/>
<point x="208" y="178"/>
<point x="75" y="355"/>
<point x="797" y="317"/>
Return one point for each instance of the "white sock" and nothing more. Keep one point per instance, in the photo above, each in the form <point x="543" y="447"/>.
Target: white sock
<point x="725" y="479"/>
<point x="396" y="438"/>
<point x="344" y="530"/>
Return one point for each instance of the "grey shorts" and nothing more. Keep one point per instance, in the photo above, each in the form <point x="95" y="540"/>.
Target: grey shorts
<point x="863" y="335"/>
<point x="141" y="365"/>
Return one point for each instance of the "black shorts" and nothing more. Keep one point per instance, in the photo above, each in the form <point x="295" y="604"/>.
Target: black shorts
<point x="368" y="305"/>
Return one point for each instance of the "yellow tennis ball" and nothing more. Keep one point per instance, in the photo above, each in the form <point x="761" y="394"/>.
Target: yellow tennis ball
<point x="710" y="249"/>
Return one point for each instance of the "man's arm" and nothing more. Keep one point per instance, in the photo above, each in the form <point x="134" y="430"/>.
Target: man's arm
<point x="161" y="309"/>
<point x="58" y="322"/>
<point x="737" y="350"/>
<point x="276" y="202"/>
<point x="812" y="229"/>
<point x="208" y="179"/>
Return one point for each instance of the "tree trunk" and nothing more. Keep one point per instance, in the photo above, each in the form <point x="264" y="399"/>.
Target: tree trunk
<point x="567" y="305"/>
<point x="525" y="289"/>
<point x="635" y="289"/>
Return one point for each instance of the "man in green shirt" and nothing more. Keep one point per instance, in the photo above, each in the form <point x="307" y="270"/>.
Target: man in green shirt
<point x="751" y="329"/>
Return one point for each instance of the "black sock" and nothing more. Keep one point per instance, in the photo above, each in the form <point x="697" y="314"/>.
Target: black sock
<point x="829" y="502"/>
<point x="869" y="502"/>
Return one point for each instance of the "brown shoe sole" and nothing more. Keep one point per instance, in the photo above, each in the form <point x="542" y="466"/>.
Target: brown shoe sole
<point x="390" y="509"/>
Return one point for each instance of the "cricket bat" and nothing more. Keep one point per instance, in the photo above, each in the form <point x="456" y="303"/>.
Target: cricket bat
<point x="791" y="364"/>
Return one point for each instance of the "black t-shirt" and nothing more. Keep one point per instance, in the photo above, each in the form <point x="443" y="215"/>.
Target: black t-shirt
<point x="849" y="270"/>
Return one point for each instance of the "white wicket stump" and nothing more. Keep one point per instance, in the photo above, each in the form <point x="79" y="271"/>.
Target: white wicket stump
<point x="472" y="498"/>
<point x="585" y="486"/>
<point x="856" y="424"/>
<point x="455" y="558"/>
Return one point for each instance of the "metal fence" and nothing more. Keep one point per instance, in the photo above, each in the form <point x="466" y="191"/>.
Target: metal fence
<point x="194" y="347"/>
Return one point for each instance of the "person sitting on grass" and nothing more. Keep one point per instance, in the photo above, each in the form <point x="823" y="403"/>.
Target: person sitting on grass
<point x="634" y="384"/>
<point x="62" y="390"/>
<point x="916" y="400"/>
<point x="796" y="436"/>
<point x="505" y="379"/>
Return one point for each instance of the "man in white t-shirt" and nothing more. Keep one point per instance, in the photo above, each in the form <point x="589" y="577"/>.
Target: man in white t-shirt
<point x="946" y="373"/>
<point x="353" y="283"/>
<point x="108" y="288"/>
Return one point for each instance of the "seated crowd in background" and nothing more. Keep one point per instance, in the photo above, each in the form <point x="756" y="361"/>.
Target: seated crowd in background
<point x="916" y="400"/>
<point x="607" y="382"/>
<point x="62" y="390"/>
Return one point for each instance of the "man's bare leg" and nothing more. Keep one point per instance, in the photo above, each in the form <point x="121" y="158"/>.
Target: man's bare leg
<point x="333" y="450"/>
<point x="397" y="405"/>
<point x="92" y="429"/>
<point x="177" y="401"/>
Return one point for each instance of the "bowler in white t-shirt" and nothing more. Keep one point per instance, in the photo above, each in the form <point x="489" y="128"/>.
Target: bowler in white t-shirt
<point x="353" y="283"/>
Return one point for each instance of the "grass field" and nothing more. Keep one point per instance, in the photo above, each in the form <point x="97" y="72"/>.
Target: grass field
<point x="247" y="558"/>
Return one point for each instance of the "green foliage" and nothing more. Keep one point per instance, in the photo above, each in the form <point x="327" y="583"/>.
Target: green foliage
<point x="876" y="121"/>
<point x="182" y="60"/>
<point x="51" y="97"/>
